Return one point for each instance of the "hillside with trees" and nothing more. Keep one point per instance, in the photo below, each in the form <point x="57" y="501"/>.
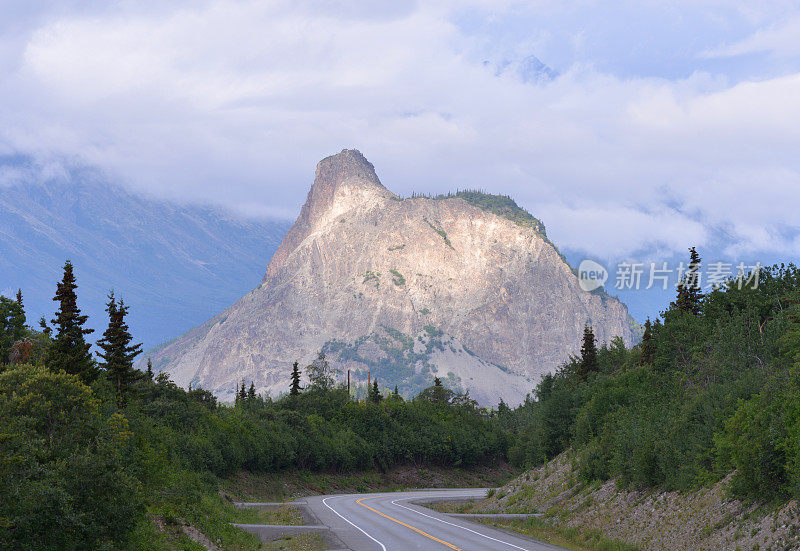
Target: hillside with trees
<point x="713" y="388"/>
<point x="90" y="444"/>
<point x="93" y="449"/>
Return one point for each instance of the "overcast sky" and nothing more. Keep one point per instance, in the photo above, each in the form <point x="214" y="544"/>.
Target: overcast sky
<point x="652" y="126"/>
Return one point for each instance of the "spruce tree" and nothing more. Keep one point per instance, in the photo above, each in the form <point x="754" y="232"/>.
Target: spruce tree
<point x="251" y="394"/>
<point x="374" y="393"/>
<point x="69" y="350"/>
<point x="45" y="328"/>
<point x="242" y="394"/>
<point x="504" y="413"/>
<point x="589" y="363"/>
<point x="19" y="319"/>
<point x="437" y="394"/>
<point x="117" y="352"/>
<point x="690" y="295"/>
<point x="149" y="373"/>
<point x="12" y="325"/>
<point x="394" y="396"/>
<point x="295" y="388"/>
<point x="648" y="345"/>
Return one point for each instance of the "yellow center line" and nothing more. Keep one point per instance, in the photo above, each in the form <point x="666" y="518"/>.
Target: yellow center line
<point x="417" y="530"/>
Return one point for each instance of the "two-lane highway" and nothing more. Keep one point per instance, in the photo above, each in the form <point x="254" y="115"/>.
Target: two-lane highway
<point x="391" y="522"/>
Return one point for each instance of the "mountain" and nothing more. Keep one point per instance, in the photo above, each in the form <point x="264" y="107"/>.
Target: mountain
<point x="529" y="69"/>
<point x="532" y="70"/>
<point x="465" y="287"/>
<point x="175" y="265"/>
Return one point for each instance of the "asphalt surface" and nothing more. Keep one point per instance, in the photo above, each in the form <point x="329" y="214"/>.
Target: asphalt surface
<point x="390" y="522"/>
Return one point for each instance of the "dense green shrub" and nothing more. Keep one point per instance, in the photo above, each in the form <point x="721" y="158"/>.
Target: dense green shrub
<point x="63" y="473"/>
<point x="720" y="394"/>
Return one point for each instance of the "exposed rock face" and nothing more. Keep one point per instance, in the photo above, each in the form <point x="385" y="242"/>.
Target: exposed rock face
<point x="408" y="288"/>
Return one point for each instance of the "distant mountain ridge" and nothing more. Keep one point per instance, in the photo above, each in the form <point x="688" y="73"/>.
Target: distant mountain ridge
<point x="406" y="289"/>
<point x="175" y="265"/>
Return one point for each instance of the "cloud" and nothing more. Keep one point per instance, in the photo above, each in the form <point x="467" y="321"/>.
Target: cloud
<point x="778" y="40"/>
<point x="235" y="102"/>
<point x="617" y="231"/>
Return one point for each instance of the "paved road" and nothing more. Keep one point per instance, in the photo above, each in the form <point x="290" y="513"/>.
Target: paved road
<point x="389" y="522"/>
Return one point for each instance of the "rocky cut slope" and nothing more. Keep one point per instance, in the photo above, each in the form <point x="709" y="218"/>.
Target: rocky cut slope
<point x="654" y="520"/>
<point x="406" y="288"/>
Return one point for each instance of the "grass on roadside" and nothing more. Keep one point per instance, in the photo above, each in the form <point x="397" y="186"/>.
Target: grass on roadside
<point x="183" y="499"/>
<point x="464" y="506"/>
<point x="285" y="515"/>
<point x="147" y="537"/>
<point x="301" y="542"/>
<point x="563" y="536"/>
<point x="212" y="516"/>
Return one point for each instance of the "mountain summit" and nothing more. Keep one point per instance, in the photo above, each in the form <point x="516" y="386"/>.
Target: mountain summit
<point x="347" y="176"/>
<point x="465" y="287"/>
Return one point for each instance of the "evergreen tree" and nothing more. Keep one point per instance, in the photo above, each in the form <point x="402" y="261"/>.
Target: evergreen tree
<point x="394" y="396"/>
<point x="374" y="393"/>
<point x="648" y="345"/>
<point x="12" y="325"/>
<point x="45" y="328"/>
<point x="117" y="352"/>
<point x="149" y="373"/>
<point x="69" y="350"/>
<point x="690" y="295"/>
<point x="437" y="393"/>
<point x="19" y="317"/>
<point x="502" y="408"/>
<point x="589" y="363"/>
<point x="242" y="394"/>
<point x="251" y="394"/>
<point x="295" y="388"/>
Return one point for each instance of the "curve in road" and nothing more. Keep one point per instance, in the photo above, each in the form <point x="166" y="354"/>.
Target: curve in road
<point x="391" y="522"/>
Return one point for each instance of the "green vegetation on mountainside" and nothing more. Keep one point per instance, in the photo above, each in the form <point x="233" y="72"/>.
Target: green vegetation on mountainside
<point x="502" y="205"/>
<point x="391" y="356"/>
<point x="93" y="451"/>
<point x="714" y="387"/>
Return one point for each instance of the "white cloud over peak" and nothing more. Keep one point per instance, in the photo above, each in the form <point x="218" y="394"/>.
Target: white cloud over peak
<point x="234" y="101"/>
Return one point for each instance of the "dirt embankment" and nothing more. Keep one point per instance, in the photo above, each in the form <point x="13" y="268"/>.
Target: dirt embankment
<point x="651" y="520"/>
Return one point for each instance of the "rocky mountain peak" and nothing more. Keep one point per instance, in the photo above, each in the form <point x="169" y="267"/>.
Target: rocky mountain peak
<point x="463" y="287"/>
<point x="348" y="166"/>
<point x="342" y="181"/>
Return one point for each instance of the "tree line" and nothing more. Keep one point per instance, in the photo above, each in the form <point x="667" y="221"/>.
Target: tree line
<point x="89" y="444"/>
<point x="712" y="389"/>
